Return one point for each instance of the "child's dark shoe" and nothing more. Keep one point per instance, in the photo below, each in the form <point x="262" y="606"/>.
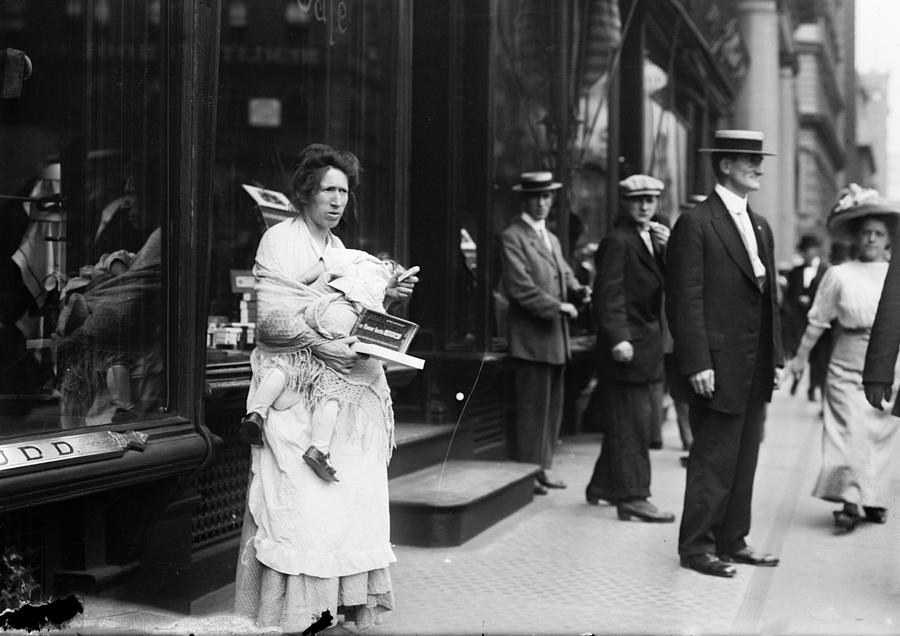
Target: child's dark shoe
<point x="250" y="431"/>
<point x="321" y="463"/>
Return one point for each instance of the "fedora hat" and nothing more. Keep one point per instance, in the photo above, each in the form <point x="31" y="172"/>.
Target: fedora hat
<point x="536" y="182"/>
<point x="741" y="142"/>
<point x="856" y="202"/>
<point x="638" y="185"/>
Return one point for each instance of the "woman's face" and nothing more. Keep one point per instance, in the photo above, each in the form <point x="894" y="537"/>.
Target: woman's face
<point x="327" y="204"/>
<point x="873" y="240"/>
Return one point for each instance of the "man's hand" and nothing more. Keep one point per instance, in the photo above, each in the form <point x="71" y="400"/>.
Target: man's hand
<point x="798" y="364"/>
<point x="659" y="233"/>
<point x="337" y="354"/>
<point x="704" y="383"/>
<point x="569" y="310"/>
<point x="779" y="377"/>
<point x="623" y="352"/>
<point x="877" y="393"/>
<point x="400" y="291"/>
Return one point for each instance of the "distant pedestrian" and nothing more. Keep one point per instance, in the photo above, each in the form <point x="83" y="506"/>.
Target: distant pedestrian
<point x="536" y="281"/>
<point x="857" y="440"/>
<point x="627" y="304"/>
<point x="723" y="314"/>
<point x="802" y="283"/>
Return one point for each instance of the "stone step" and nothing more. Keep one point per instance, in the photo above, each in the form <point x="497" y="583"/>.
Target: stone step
<point x="419" y="446"/>
<point x="449" y="503"/>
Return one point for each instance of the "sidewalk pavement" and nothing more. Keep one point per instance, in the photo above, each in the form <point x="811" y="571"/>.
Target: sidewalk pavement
<point x="561" y="566"/>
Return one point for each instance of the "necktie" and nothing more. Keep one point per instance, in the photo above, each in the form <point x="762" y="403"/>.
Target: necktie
<point x="546" y="238"/>
<point x="645" y="235"/>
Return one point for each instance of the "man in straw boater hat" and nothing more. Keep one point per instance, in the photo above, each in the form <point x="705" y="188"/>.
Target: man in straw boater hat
<point x="536" y="280"/>
<point x="627" y="306"/>
<point x="723" y="314"/>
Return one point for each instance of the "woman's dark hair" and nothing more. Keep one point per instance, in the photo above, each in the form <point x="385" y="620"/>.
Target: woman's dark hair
<point x="311" y="164"/>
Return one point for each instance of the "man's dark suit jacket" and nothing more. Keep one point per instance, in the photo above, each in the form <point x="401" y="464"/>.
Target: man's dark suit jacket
<point x="797" y="301"/>
<point x="714" y="304"/>
<point x="881" y="356"/>
<point x="627" y="305"/>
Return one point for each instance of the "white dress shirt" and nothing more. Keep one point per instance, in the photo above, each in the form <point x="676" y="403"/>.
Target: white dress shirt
<point x="539" y="226"/>
<point x="809" y="272"/>
<point x="737" y="208"/>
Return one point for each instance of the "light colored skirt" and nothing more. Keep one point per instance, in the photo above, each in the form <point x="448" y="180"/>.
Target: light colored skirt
<point x="857" y="440"/>
<point x="293" y="602"/>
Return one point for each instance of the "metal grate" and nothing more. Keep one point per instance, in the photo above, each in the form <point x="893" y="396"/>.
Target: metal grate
<point x="223" y="489"/>
<point x="22" y="531"/>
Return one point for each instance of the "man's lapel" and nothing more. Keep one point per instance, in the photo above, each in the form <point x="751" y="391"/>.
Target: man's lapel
<point x="730" y="236"/>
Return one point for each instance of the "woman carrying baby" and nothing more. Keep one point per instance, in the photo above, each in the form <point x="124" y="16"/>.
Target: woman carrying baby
<point x="311" y="545"/>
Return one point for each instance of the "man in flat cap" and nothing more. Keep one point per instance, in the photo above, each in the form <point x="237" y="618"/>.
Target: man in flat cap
<point x="627" y="305"/>
<point x="536" y="280"/>
<point x="723" y="314"/>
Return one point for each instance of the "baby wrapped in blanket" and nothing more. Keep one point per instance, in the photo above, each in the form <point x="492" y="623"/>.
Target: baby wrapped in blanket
<point x="295" y="315"/>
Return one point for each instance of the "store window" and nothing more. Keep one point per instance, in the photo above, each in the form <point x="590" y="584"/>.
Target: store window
<point x="292" y="73"/>
<point x="82" y="208"/>
<point x="666" y="140"/>
<point x="539" y="125"/>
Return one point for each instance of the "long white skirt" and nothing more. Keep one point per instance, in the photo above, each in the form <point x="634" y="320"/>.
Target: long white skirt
<point x="857" y="440"/>
<point x="309" y="545"/>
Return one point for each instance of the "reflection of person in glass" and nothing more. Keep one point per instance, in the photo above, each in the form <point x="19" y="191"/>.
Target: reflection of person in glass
<point x="108" y="337"/>
<point x="311" y="545"/>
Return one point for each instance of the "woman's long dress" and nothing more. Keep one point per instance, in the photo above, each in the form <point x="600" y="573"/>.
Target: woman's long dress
<point x="857" y="440"/>
<point x="309" y="545"/>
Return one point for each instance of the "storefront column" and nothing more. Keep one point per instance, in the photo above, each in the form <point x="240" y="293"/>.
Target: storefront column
<point x="786" y="228"/>
<point x="756" y="110"/>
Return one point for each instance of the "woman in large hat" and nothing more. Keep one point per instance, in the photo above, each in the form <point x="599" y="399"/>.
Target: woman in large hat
<point x="857" y="439"/>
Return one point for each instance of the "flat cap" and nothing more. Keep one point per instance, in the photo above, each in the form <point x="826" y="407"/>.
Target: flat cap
<point x="638" y="185"/>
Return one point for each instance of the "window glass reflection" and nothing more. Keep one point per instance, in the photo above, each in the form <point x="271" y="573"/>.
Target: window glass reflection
<point x="82" y="204"/>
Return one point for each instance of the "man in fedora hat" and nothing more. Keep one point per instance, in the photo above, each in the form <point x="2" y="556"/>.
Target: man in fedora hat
<point x="627" y="306"/>
<point x="536" y="279"/>
<point x="723" y="314"/>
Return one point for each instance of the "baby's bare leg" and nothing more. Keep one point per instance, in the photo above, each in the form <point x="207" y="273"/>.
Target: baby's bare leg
<point x="270" y="387"/>
<point x="118" y="382"/>
<point x="324" y="421"/>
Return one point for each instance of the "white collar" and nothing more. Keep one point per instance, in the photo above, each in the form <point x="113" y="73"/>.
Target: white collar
<point x="537" y="225"/>
<point x="735" y="203"/>
<point x="814" y="264"/>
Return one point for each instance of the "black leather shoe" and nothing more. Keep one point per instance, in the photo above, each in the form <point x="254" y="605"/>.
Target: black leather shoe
<point x="250" y="431"/>
<point x="873" y="513"/>
<point x="594" y="495"/>
<point x="847" y="518"/>
<point x="320" y="462"/>
<point x="546" y="482"/>
<point x="748" y="557"/>
<point x="708" y="564"/>
<point x="539" y="489"/>
<point x="643" y="510"/>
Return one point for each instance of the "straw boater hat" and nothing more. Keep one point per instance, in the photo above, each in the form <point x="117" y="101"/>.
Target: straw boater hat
<point x="638" y="185"/>
<point x="741" y="142"/>
<point x="856" y="202"/>
<point x="536" y="182"/>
